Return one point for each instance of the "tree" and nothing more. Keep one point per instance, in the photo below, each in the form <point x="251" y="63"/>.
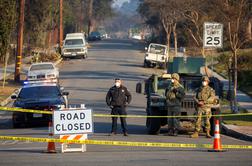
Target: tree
<point x="8" y="20"/>
<point x="235" y="14"/>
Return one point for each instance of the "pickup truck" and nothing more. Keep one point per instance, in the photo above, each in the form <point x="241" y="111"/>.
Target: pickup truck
<point x="75" y="45"/>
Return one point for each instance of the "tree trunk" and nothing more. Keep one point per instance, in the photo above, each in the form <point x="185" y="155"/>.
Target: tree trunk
<point x="175" y="39"/>
<point x="235" y="81"/>
<point x="168" y="38"/>
<point x="249" y="29"/>
<point x="90" y="15"/>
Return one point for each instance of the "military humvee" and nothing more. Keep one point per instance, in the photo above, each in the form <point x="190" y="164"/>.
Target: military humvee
<point x="156" y="55"/>
<point x="189" y="69"/>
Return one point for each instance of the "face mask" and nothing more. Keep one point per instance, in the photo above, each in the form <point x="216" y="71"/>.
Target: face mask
<point x="204" y="83"/>
<point x="117" y="84"/>
<point x="172" y="81"/>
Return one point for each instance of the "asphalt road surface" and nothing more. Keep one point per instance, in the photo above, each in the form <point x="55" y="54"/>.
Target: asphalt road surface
<point x="88" y="82"/>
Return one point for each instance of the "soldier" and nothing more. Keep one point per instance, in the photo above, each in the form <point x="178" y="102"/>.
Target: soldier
<point x="117" y="98"/>
<point x="174" y="96"/>
<point x="204" y="98"/>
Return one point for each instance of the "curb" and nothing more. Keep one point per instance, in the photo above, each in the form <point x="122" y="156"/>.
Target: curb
<point x="8" y="99"/>
<point x="235" y="134"/>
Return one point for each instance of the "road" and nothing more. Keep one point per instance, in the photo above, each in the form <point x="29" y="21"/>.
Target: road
<point x="88" y="81"/>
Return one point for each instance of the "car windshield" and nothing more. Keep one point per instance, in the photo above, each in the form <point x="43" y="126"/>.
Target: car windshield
<point x="42" y="67"/>
<point x="163" y="83"/>
<point x="73" y="42"/>
<point x="39" y="92"/>
<point x="156" y="49"/>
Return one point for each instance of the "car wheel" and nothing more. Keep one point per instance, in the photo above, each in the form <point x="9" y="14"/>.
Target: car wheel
<point x="145" y="64"/>
<point x="153" y="124"/>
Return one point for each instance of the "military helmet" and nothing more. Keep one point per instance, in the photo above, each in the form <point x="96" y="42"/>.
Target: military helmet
<point x="175" y="76"/>
<point x="205" y="78"/>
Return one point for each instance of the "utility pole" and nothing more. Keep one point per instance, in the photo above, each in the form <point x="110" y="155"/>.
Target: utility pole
<point x="61" y="25"/>
<point x="19" y="41"/>
<point x="90" y="15"/>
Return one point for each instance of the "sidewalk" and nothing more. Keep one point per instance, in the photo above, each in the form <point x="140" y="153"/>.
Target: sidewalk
<point x="244" y="101"/>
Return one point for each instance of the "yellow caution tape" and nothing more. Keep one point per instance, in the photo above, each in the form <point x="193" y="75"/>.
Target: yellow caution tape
<point x="24" y="110"/>
<point x="179" y="116"/>
<point x="125" y="116"/>
<point x="124" y="143"/>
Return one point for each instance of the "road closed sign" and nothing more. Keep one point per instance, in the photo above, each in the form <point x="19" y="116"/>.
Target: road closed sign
<point x="213" y="35"/>
<point x="73" y="121"/>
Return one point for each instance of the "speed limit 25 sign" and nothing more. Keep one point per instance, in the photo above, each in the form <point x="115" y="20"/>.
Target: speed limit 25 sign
<point x="213" y="35"/>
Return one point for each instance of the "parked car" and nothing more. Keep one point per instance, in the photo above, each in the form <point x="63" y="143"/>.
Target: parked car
<point x="38" y="96"/>
<point x="75" y="45"/>
<point x="94" y="36"/>
<point x="43" y="71"/>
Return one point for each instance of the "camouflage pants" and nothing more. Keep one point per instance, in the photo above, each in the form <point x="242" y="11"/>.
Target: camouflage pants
<point x="173" y="122"/>
<point x="203" y="111"/>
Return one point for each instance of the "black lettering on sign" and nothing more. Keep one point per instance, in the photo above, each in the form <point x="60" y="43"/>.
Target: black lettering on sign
<point x="62" y="116"/>
<point x="63" y="127"/>
<point x="82" y="126"/>
<point x="76" y="126"/>
<point x="87" y="126"/>
<point x="69" y="116"/>
<point x="75" y="117"/>
<point x="57" y="127"/>
<point x="70" y="127"/>
<point x="82" y="115"/>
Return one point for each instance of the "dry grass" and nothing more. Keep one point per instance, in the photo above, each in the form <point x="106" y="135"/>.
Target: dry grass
<point x="237" y="120"/>
<point x="10" y="87"/>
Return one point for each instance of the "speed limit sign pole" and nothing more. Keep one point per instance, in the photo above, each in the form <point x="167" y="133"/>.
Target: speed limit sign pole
<point x="213" y="36"/>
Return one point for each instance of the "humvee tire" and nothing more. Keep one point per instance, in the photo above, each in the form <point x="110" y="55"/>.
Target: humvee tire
<point x="153" y="124"/>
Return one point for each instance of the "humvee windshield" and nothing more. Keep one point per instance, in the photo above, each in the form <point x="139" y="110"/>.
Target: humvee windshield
<point x="191" y="86"/>
<point x="163" y="83"/>
<point x="156" y="49"/>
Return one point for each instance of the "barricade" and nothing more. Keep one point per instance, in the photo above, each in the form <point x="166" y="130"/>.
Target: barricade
<point x="65" y="147"/>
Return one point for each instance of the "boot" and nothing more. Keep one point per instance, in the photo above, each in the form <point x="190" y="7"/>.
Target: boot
<point x="208" y="134"/>
<point x="195" y="135"/>
<point x="170" y="132"/>
<point x="175" y="132"/>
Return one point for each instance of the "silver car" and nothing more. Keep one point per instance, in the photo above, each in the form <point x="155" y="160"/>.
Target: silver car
<point x="43" y="71"/>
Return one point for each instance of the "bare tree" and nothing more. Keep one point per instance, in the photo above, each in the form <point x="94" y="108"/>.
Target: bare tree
<point x="235" y="14"/>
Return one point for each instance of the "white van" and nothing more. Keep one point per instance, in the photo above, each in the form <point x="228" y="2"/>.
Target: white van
<point x="75" y="45"/>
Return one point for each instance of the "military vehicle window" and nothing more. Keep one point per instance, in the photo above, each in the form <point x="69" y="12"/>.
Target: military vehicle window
<point x="163" y="83"/>
<point x="39" y="92"/>
<point x="73" y="42"/>
<point x="155" y="49"/>
<point x="192" y="85"/>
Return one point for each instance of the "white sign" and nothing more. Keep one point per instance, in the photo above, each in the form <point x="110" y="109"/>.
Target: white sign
<point x="213" y="35"/>
<point x="73" y="121"/>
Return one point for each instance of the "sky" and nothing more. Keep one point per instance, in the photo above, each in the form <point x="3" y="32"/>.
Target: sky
<point x="120" y="2"/>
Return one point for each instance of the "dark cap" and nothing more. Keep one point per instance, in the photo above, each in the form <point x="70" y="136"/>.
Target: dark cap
<point x="117" y="78"/>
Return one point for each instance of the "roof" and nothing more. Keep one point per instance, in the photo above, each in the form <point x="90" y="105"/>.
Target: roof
<point x="41" y="63"/>
<point x="39" y="85"/>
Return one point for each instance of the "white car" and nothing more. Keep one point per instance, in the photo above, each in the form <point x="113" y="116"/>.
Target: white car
<point x="43" y="71"/>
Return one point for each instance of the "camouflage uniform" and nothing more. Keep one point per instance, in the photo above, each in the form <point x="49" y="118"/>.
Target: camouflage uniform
<point x="174" y="96"/>
<point x="206" y="95"/>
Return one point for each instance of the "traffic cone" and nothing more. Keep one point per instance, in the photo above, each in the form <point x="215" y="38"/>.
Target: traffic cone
<point x="51" y="145"/>
<point x="217" y="142"/>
